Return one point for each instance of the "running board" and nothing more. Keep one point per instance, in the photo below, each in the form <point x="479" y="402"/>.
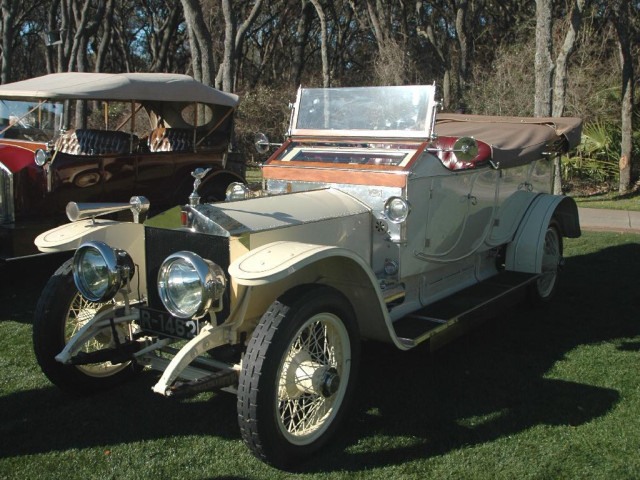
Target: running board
<point x="461" y="309"/>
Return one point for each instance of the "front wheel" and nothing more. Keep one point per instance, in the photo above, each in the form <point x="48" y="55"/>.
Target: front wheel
<point x="61" y="311"/>
<point x="298" y="374"/>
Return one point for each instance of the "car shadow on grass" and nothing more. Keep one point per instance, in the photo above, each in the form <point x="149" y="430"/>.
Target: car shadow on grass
<point x="46" y="419"/>
<point x="22" y="281"/>
<point x="493" y="382"/>
<point x="489" y="384"/>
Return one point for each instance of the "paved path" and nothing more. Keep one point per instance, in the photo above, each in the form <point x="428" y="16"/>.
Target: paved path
<point x="611" y="220"/>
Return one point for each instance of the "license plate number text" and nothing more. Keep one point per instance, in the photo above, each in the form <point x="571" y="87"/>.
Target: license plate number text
<point x="165" y="324"/>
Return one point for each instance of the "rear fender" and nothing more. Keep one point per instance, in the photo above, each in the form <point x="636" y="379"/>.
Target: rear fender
<point x="524" y="253"/>
<point x="271" y="270"/>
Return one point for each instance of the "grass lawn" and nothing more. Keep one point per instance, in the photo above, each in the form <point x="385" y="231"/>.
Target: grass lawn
<point x="532" y="394"/>
<point x="254" y="175"/>
<point x="611" y="200"/>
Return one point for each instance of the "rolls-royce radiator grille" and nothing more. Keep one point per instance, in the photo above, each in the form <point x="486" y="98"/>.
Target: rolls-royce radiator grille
<point x="160" y="243"/>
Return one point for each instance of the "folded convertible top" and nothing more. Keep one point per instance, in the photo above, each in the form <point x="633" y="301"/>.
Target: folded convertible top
<point x="514" y="140"/>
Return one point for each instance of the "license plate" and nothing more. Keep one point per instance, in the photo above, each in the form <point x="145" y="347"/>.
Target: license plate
<point x="162" y="323"/>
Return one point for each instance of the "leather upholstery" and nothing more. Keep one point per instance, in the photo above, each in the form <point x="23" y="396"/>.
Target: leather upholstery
<point x="95" y="142"/>
<point x="171" y="140"/>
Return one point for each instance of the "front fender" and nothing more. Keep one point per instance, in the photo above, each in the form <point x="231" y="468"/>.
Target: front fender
<point x="277" y="260"/>
<point x="274" y="268"/>
<point x="127" y="236"/>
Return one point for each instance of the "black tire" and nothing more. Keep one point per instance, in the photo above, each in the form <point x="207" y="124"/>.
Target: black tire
<point x="213" y="192"/>
<point x="544" y="289"/>
<point x="270" y="408"/>
<point x="60" y="311"/>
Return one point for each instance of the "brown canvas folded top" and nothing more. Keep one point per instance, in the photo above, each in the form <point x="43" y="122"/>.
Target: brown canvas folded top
<point x="513" y="140"/>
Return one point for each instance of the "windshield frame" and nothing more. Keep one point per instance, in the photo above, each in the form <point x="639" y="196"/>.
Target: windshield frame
<point x="351" y="100"/>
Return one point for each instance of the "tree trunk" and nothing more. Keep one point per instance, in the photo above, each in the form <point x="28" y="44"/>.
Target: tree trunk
<point x="324" y="49"/>
<point x="544" y="74"/>
<point x="105" y="41"/>
<point x="463" y="45"/>
<point x="122" y="47"/>
<point x="162" y="37"/>
<point x="51" y="26"/>
<point x="66" y="34"/>
<point x="443" y="56"/>
<point x="560" y="80"/>
<point x="568" y="46"/>
<point x="376" y="16"/>
<point x="233" y="39"/>
<point x="543" y="62"/>
<point x="621" y="21"/>
<point x="244" y="26"/>
<point x="302" y="35"/>
<point x="200" y="42"/>
<point x="87" y="23"/>
<point x="229" y="46"/>
<point x="81" y="23"/>
<point x="9" y="10"/>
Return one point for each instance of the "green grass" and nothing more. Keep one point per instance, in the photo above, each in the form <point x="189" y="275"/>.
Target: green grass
<point x="610" y="200"/>
<point x="167" y="219"/>
<point x="531" y="394"/>
<point x="254" y="175"/>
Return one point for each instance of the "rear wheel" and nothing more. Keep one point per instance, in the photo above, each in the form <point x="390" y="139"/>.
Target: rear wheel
<point x="61" y="311"/>
<point x="545" y="287"/>
<point x="298" y="375"/>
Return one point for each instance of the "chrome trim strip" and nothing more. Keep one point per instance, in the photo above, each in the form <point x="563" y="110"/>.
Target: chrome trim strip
<point x="7" y="206"/>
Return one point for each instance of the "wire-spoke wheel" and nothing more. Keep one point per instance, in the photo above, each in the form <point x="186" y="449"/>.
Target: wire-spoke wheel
<point x="545" y="287"/>
<point x="312" y="378"/>
<point x="298" y="375"/>
<point x="60" y="313"/>
<point x="80" y="312"/>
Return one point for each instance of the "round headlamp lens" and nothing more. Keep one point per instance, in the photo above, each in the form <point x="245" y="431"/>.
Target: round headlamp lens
<point x="99" y="271"/>
<point x="182" y="288"/>
<point x="93" y="272"/>
<point x="40" y="157"/>
<point x="189" y="284"/>
<point x="396" y="209"/>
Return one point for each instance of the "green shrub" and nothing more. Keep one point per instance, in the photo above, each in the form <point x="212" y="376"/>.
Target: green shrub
<point x="597" y="157"/>
<point x="262" y="109"/>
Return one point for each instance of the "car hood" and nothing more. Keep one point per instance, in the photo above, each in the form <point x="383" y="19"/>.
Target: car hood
<point x="272" y="212"/>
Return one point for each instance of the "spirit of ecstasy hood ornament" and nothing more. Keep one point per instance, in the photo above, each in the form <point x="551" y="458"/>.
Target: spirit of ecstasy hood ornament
<point x="198" y="174"/>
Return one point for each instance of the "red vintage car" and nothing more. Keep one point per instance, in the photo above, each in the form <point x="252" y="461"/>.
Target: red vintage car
<point x="95" y="137"/>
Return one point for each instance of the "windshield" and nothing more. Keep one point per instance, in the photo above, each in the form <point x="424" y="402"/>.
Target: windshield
<point x="34" y="121"/>
<point x="404" y="111"/>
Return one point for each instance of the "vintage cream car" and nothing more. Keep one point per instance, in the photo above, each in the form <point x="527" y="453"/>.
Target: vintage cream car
<point x="379" y="219"/>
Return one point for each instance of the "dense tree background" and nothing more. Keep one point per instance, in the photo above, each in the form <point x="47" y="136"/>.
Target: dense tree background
<point x="524" y="57"/>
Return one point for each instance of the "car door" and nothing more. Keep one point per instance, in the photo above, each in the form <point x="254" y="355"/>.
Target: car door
<point x="460" y="213"/>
